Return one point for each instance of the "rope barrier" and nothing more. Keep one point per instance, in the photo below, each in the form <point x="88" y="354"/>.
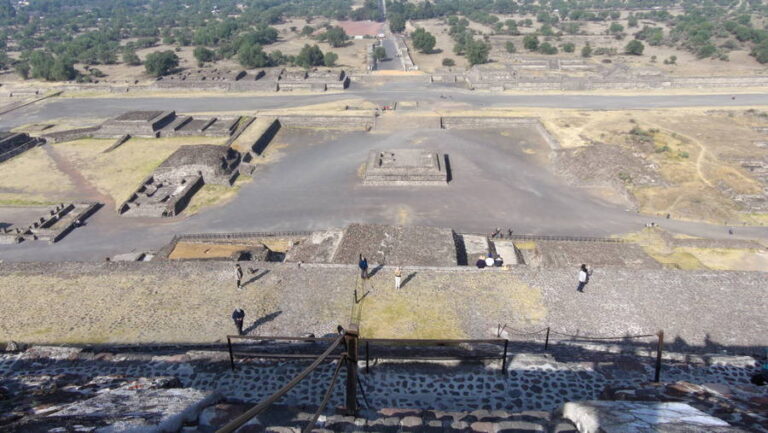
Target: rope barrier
<point x="261" y="407"/>
<point x="327" y="396"/>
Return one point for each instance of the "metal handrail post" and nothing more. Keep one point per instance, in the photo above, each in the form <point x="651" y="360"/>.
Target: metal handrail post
<point x="231" y="354"/>
<point x="504" y="359"/>
<point x="659" y="349"/>
<point x="367" y="358"/>
<point x="546" y="340"/>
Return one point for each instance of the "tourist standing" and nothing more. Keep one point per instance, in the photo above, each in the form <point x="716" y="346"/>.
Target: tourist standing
<point x="363" y="265"/>
<point x="398" y="277"/>
<point x="238" y="275"/>
<point x="238" y="316"/>
<point x="583" y="278"/>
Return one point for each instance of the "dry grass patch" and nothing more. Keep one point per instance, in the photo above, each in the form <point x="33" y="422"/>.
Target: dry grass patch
<point x="691" y="258"/>
<point x="32" y="178"/>
<point x="118" y="173"/>
<point x="194" y="250"/>
<point x="215" y="195"/>
<point x="442" y="305"/>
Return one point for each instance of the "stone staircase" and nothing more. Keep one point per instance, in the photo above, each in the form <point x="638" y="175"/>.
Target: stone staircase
<point x="284" y="419"/>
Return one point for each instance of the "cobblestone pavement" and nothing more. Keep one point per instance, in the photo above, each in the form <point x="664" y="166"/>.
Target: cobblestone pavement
<point x="180" y="302"/>
<point x="533" y="382"/>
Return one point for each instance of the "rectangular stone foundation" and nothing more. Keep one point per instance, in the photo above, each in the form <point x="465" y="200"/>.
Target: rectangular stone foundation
<point x="405" y="167"/>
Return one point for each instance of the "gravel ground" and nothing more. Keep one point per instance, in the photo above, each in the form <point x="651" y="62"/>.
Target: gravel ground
<point x="192" y="302"/>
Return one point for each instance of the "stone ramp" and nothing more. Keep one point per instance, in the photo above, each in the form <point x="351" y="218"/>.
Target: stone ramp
<point x="284" y="419"/>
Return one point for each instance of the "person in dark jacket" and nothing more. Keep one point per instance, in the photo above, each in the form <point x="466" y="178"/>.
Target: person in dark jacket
<point x="363" y="265"/>
<point x="238" y="275"/>
<point x="238" y="316"/>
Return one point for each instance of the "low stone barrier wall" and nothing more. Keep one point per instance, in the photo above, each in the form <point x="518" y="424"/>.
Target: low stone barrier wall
<point x="469" y="122"/>
<point x="72" y="134"/>
<point x="334" y="122"/>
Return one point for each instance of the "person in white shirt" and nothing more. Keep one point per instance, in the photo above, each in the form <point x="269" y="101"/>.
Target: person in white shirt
<point x="583" y="278"/>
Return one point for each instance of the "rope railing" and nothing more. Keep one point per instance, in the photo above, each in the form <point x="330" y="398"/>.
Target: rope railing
<point x="266" y="403"/>
<point x="327" y="396"/>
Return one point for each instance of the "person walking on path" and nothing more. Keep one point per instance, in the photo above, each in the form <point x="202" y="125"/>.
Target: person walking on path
<point x="238" y="316"/>
<point x="398" y="277"/>
<point x="238" y="275"/>
<point x="363" y="265"/>
<point x="583" y="278"/>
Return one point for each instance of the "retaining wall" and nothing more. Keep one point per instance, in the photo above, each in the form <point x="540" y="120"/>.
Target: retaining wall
<point x="72" y="134"/>
<point x="335" y="122"/>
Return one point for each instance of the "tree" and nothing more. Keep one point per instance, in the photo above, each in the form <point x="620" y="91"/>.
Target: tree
<point x="330" y="58"/>
<point x="203" y="55"/>
<point x="569" y="47"/>
<point x="307" y="30"/>
<point x="6" y="9"/>
<point x="586" y="51"/>
<point x="161" y="63"/>
<point x="423" y="40"/>
<point x="531" y="42"/>
<point x="310" y="56"/>
<point x="634" y="47"/>
<point x="760" y="52"/>
<point x="706" y="51"/>
<point x="477" y="52"/>
<point x="252" y="56"/>
<point x="130" y="58"/>
<point x="22" y="68"/>
<point x="380" y="53"/>
<point x="396" y="23"/>
<point x="616" y="28"/>
<point x="547" y="48"/>
<point x="335" y="36"/>
<point x="448" y="62"/>
<point x="510" y="46"/>
<point x="632" y="21"/>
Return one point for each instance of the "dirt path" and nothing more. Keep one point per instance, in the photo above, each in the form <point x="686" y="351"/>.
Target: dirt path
<point x="85" y="189"/>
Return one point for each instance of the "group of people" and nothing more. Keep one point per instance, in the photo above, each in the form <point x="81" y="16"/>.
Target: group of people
<point x="489" y="262"/>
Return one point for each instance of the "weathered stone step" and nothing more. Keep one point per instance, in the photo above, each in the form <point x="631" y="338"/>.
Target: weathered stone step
<point x="282" y="419"/>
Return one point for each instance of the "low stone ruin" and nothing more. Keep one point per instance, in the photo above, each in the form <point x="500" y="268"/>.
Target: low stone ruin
<point x="12" y="144"/>
<point x="154" y="124"/>
<point x="160" y="196"/>
<point x="216" y="164"/>
<point x="406" y="167"/>
<point x="172" y="185"/>
<point x="259" y="80"/>
<point x="53" y="226"/>
<point x="314" y="80"/>
<point x="136" y="124"/>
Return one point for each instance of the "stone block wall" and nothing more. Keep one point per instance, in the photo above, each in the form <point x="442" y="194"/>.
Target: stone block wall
<point x="71" y="134"/>
<point x="334" y="122"/>
<point x="15" y="144"/>
<point x="467" y="122"/>
<point x="60" y="223"/>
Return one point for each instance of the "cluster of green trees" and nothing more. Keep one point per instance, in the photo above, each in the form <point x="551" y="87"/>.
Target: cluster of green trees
<point x="465" y="44"/>
<point x="94" y="32"/>
<point x="423" y="40"/>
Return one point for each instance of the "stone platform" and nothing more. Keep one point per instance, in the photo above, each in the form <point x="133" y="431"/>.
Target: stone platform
<point x="406" y="167"/>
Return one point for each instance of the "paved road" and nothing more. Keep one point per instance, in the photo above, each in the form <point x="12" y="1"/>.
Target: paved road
<point x="392" y="62"/>
<point x="107" y="107"/>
